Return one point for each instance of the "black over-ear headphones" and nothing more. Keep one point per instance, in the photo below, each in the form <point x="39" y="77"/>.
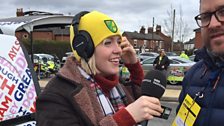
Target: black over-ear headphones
<point x="82" y="42"/>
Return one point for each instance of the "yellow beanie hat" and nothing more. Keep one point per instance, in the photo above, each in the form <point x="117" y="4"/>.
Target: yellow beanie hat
<point x="98" y="25"/>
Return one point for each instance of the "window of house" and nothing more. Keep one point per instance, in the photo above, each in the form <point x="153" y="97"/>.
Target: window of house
<point x="135" y="43"/>
<point x="145" y="41"/>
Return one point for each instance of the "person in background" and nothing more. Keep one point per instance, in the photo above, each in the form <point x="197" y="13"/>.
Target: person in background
<point x="86" y="91"/>
<point x="204" y="82"/>
<point x="162" y="62"/>
<point x="184" y="55"/>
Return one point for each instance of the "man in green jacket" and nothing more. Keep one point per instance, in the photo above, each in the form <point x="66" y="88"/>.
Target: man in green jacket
<point x="184" y="55"/>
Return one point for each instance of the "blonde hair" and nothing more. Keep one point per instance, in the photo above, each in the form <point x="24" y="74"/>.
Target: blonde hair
<point x="91" y="63"/>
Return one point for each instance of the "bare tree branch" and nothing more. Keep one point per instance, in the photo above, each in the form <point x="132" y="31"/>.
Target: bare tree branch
<point x="182" y="30"/>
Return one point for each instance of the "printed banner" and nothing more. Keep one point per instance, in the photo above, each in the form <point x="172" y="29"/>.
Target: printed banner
<point x="18" y="90"/>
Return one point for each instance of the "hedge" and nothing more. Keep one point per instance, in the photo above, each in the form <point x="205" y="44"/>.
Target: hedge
<point x="58" y="48"/>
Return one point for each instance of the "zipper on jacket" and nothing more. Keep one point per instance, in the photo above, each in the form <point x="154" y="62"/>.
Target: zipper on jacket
<point x="213" y="95"/>
<point x="204" y="72"/>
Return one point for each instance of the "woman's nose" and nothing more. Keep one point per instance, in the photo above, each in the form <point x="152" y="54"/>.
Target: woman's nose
<point x="117" y="48"/>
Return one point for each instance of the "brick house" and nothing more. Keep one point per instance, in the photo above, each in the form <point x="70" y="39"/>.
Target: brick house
<point x="198" y="39"/>
<point x="189" y="45"/>
<point x="167" y="39"/>
<point x="150" y="41"/>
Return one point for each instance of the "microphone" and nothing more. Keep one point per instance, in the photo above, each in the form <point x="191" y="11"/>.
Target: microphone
<point x="154" y="85"/>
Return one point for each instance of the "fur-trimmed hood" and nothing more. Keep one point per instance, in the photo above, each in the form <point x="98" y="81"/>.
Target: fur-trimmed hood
<point x="70" y="70"/>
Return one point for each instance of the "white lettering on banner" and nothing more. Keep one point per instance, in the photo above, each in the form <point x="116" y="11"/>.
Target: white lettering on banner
<point x="14" y="50"/>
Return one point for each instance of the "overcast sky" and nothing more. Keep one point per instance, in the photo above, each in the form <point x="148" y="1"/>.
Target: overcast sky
<point x="130" y="15"/>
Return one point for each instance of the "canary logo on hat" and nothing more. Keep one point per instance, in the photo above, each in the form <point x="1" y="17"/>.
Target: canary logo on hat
<point x="111" y="25"/>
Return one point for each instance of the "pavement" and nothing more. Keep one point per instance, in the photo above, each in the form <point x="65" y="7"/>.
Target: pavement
<point x="171" y="93"/>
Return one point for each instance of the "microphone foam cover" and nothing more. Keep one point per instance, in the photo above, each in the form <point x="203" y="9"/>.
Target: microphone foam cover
<point x="154" y="84"/>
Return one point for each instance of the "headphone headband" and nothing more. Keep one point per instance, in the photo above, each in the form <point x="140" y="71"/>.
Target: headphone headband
<point x="76" y="20"/>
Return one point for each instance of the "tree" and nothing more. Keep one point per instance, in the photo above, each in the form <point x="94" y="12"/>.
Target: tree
<point x="181" y="28"/>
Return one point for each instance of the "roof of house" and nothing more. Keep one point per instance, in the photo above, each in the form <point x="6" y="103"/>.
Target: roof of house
<point x="1" y="31"/>
<point x="60" y="31"/>
<point x="141" y="36"/>
<point x="191" y="41"/>
<point x="197" y="30"/>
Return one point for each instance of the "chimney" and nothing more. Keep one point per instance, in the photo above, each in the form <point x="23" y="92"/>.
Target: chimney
<point x="142" y="30"/>
<point x="19" y="12"/>
<point x="150" y="30"/>
<point x="158" y="28"/>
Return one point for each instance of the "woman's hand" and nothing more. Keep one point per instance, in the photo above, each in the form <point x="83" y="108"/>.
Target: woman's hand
<point x="128" y="52"/>
<point x="144" y="108"/>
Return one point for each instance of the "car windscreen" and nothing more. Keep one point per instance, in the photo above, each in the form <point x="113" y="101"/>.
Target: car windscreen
<point x="148" y="61"/>
<point x="174" y="62"/>
<point x="182" y="60"/>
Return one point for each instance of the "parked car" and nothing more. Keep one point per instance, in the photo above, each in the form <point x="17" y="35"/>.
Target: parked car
<point x="178" y="67"/>
<point x="145" y="55"/>
<point x="45" y="64"/>
<point x="65" y="57"/>
<point x="171" y="54"/>
<point x="192" y="57"/>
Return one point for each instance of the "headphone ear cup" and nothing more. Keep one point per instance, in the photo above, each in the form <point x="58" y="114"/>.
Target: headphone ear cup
<point x="83" y="45"/>
<point x="79" y="44"/>
<point x="89" y="50"/>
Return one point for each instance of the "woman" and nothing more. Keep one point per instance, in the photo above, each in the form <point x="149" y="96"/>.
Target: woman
<point x="162" y="63"/>
<point x="86" y="91"/>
